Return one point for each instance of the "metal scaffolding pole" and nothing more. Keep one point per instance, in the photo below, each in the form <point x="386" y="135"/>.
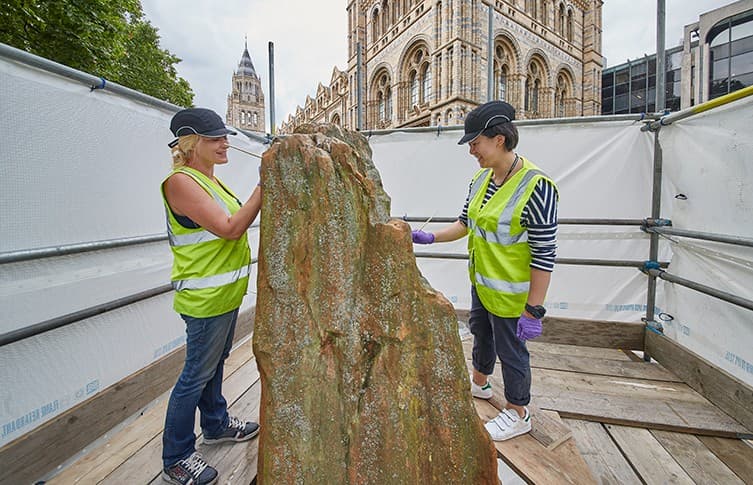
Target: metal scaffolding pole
<point x="579" y="222"/>
<point x="706" y="236"/>
<point x="615" y="263"/>
<point x="359" y="87"/>
<point x="539" y="122"/>
<point x="661" y="75"/>
<point x="94" y="83"/>
<point x="707" y="290"/>
<point x="272" y="128"/>
<point x="39" y="253"/>
<point x="490" y="56"/>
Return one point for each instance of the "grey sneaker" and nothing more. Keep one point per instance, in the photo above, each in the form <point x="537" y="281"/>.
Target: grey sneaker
<point x="192" y="470"/>
<point x="236" y="431"/>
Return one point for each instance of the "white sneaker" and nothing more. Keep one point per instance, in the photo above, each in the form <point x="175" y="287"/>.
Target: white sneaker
<point x="508" y="425"/>
<point x="481" y="392"/>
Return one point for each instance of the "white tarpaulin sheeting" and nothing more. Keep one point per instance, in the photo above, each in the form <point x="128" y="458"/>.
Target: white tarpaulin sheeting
<point x="603" y="170"/>
<point x="709" y="159"/>
<point x="80" y="166"/>
<point x="77" y="167"/>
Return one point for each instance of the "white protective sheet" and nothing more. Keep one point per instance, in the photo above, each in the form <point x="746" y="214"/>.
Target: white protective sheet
<point x="76" y="167"/>
<point x="709" y="159"/>
<point x="603" y="170"/>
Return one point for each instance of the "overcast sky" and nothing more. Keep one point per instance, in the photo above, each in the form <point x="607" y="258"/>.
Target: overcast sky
<point x="310" y="38"/>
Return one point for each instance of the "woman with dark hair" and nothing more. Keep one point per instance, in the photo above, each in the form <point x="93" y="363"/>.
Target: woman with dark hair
<point x="206" y="225"/>
<point x="510" y="217"/>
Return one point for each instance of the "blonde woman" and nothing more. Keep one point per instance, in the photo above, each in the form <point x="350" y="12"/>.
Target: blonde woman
<point x="206" y="225"/>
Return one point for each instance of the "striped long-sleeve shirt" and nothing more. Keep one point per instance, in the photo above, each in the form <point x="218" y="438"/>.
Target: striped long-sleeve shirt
<point x="539" y="217"/>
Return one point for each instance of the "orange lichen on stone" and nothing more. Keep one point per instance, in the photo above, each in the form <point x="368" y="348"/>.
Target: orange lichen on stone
<point x="362" y="371"/>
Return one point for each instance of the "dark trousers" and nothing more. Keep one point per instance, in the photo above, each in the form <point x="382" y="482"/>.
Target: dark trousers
<point x="494" y="337"/>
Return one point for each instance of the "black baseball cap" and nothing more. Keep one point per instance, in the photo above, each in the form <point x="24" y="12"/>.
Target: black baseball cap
<point x="198" y="121"/>
<point x="485" y="116"/>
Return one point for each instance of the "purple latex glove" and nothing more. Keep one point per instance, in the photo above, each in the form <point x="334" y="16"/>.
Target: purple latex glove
<point x="528" y="327"/>
<point x="421" y="237"/>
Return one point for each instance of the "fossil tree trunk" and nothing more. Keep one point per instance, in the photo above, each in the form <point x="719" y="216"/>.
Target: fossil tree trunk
<point x="362" y="371"/>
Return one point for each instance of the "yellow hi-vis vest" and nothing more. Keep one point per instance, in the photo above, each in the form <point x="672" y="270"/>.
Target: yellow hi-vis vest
<point x="210" y="274"/>
<point x="498" y="254"/>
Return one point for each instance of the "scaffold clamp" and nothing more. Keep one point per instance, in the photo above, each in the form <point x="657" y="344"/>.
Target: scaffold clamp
<point x="651" y="222"/>
<point x="654" y="326"/>
<point x="101" y="85"/>
<point x="649" y="265"/>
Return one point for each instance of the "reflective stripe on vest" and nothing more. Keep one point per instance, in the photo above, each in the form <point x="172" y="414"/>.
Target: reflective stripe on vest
<point x="188" y="239"/>
<point x="212" y="281"/>
<point x="501" y="285"/>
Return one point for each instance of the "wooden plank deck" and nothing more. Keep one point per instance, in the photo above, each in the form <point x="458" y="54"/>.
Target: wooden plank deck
<point x="602" y="448"/>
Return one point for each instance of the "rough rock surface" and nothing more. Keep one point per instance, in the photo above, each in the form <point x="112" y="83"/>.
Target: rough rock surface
<point x="362" y="371"/>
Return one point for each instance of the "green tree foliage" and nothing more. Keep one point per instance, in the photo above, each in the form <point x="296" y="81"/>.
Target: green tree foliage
<point x="107" y="38"/>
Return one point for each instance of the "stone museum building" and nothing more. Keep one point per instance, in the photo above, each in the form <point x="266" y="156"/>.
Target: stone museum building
<point x="424" y="62"/>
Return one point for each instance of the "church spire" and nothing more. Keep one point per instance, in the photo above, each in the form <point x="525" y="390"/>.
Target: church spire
<point x="245" y="66"/>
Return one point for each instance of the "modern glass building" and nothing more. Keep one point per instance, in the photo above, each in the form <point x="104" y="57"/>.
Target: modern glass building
<point x="716" y="58"/>
<point x="631" y="87"/>
<point x="731" y="54"/>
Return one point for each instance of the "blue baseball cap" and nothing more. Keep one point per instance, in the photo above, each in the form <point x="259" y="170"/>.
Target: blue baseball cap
<point x="485" y="116"/>
<point x="198" y="121"/>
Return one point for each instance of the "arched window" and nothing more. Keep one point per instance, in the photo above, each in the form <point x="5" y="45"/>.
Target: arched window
<point x="336" y="119"/>
<point x="501" y="93"/>
<point x="570" y="25"/>
<point x="501" y="71"/>
<point x="561" y="95"/>
<point x="375" y="25"/>
<point x="243" y="117"/>
<point x="426" y="88"/>
<point x="730" y="55"/>
<point x="413" y="88"/>
<point x="385" y="17"/>
<point x="561" y="20"/>
<point x="383" y="95"/>
<point x="255" y="118"/>
<point x="504" y="65"/>
<point x="533" y="89"/>
<point x="544" y="17"/>
<point x="416" y="69"/>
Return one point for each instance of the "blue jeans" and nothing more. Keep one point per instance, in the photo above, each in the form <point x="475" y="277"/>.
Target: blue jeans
<point x="208" y="343"/>
<point x="494" y="337"/>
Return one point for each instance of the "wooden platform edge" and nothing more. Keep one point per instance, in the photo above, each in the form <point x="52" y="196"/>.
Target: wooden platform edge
<point x="70" y="432"/>
<point x="587" y="333"/>
<point x="724" y="390"/>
